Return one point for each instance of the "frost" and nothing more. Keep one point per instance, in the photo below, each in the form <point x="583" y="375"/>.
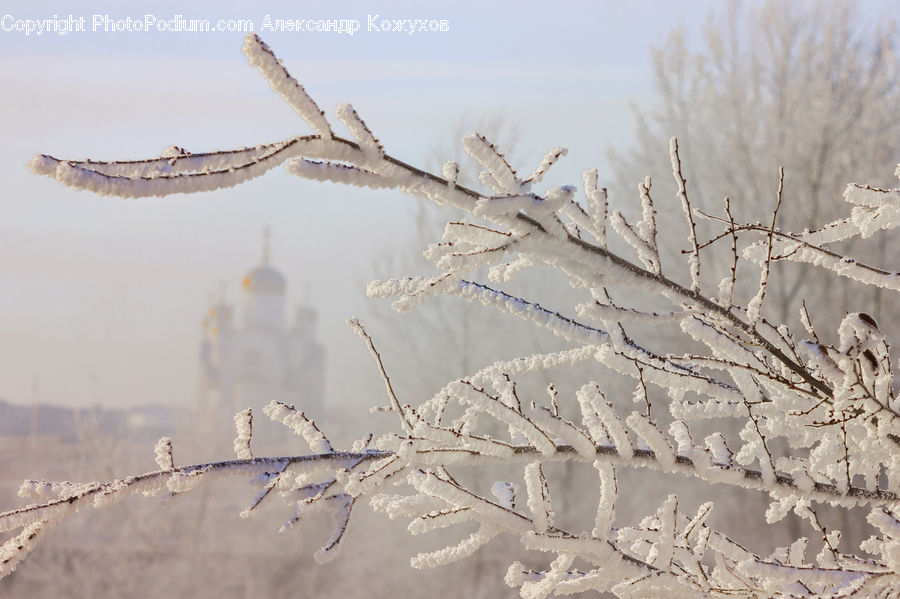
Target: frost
<point x="163" y="451"/>
<point x="300" y="424"/>
<point x="243" y="423"/>
<point x="270" y="67"/>
<point x="816" y="410"/>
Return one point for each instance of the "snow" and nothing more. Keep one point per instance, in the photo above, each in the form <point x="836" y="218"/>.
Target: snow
<point x="163" y="451"/>
<point x="243" y="423"/>
<point x="814" y="419"/>
<point x="269" y="66"/>
<point x="299" y="423"/>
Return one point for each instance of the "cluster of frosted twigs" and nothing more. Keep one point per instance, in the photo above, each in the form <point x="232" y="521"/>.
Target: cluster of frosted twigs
<point x="818" y="422"/>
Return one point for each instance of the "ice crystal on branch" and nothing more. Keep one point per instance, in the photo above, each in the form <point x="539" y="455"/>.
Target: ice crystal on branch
<point x="818" y="423"/>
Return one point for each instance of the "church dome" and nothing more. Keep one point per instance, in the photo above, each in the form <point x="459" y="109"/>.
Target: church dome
<point x="264" y="279"/>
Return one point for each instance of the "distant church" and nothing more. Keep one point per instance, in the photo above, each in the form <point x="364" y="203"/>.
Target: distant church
<point x="263" y="359"/>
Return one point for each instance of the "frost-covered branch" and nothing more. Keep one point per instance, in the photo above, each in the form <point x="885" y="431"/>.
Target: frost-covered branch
<point x="817" y="422"/>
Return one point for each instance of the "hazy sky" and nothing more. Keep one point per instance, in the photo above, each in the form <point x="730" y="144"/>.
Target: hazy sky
<point x="117" y="289"/>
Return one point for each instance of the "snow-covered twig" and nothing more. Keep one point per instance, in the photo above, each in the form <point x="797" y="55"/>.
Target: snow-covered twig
<point x="818" y="423"/>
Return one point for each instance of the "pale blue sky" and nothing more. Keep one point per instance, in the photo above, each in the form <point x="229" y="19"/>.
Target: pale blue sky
<point x="118" y="288"/>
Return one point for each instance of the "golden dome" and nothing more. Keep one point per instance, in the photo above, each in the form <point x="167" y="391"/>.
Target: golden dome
<point x="264" y="279"/>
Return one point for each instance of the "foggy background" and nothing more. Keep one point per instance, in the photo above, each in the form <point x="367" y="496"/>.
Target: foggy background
<point x="117" y="288"/>
<point x="102" y="299"/>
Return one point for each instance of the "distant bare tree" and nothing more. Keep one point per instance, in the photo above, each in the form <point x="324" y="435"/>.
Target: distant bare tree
<point x="807" y="86"/>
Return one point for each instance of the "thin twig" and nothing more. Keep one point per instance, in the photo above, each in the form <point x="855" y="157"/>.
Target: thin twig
<point x="395" y="403"/>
